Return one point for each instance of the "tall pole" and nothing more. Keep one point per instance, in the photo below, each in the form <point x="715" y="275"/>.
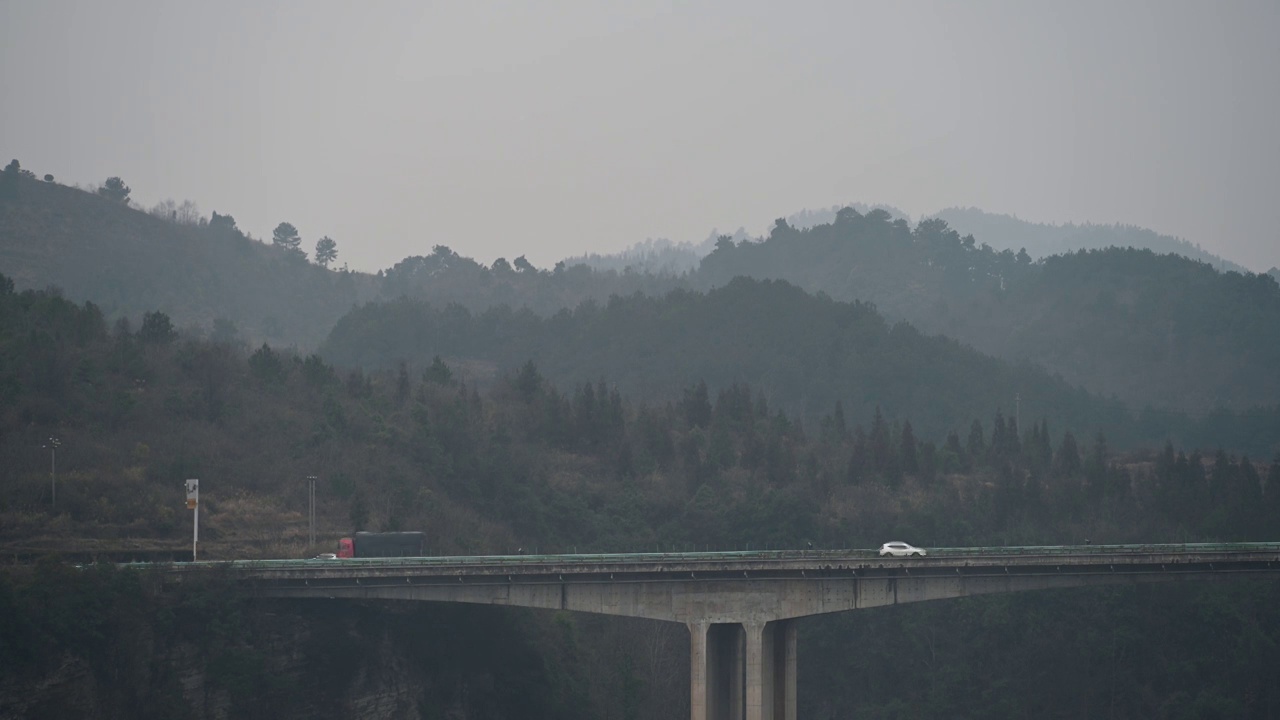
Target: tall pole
<point x="311" y="512"/>
<point x="193" y="503"/>
<point x="53" y="470"/>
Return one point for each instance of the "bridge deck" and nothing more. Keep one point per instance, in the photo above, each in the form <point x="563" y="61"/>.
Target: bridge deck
<point x="780" y="564"/>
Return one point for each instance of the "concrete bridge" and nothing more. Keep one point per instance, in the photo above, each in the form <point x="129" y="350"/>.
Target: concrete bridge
<point x="741" y="608"/>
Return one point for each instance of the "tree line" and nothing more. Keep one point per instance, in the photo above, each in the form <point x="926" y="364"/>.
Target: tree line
<point x="528" y="462"/>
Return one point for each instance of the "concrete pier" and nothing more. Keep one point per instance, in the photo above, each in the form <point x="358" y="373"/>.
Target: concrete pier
<point x="742" y="672"/>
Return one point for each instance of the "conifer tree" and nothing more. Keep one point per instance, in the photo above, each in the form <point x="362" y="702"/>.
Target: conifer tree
<point x="907" y="449"/>
<point x="879" y="443"/>
<point x="326" y="251"/>
<point x="286" y="236"/>
<point x="1068" y="461"/>
<point x="976" y="446"/>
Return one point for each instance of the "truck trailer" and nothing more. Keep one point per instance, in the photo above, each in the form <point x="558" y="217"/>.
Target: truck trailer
<point x="382" y="544"/>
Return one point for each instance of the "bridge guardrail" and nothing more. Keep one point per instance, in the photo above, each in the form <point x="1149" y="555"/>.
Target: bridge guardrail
<point x="760" y="555"/>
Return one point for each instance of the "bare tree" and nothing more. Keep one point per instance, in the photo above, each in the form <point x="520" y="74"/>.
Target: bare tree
<point x="188" y="213"/>
<point x="165" y="210"/>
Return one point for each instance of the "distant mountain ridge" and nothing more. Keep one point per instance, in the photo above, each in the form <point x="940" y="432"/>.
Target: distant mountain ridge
<point x="1004" y="232"/>
<point x="667" y="257"/>
<point x="1158" y="330"/>
<point x="1001" y="232"/>
<point x="128" y="262"/>
<point x="804" y="352"/>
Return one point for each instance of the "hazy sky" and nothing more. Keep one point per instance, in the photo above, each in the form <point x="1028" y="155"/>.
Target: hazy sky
<point x="555" y="128"/>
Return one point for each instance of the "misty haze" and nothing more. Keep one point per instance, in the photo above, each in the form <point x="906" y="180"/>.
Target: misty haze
<point x="728" y="360"/>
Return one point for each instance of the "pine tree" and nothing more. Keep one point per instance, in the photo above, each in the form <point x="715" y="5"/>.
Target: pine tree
<point x="286" y="236"/>
<point x="879" y="443"/>
<point x="907" y="449"/>
<point x="326" y="251"/>
<point x="697" y="405"/>
<point x="999" y="443"/>
<point x="977" y="447"/>
<point x="1068" y="461"/>
<point x="403" y="385"/>
<point x="1271" y="499"/>
<point x="858" y="460"/>
<point x="842" y="432"/>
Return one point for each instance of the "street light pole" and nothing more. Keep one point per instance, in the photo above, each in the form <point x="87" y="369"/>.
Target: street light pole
<point x="193" y="503"/>
<point x="52" y="445"/>
<point x="311" y="512"/>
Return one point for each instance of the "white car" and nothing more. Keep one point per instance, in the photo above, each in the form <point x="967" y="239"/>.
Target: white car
<point x="326" y="556"/>
<point x="900" y="549"/>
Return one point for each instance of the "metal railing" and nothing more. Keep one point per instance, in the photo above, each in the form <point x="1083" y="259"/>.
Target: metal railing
<point x="589" y="559"/>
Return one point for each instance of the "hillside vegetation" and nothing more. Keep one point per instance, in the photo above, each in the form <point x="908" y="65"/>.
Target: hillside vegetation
<point x="804" y="353"/>
<point x="1041" y="240"/>
<point x="584" y="466"/>
<point x="1152" y="330"/>
<point x="205" y="275"/>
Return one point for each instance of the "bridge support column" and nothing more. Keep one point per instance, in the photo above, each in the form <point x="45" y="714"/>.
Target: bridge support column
<point x="759" y="672"/>
<point x="784" y="669"/>
<point x="742" y="672"/>
<point x="736" y="652"/>
<point x="717" y="658"/>
<point x="771" y="671"/>
<point x="699" y="669"/>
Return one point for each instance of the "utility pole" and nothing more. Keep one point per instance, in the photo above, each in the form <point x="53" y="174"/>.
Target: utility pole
<point x="52" y="446"/>
<point x="193" y="503"/>
<point x="311" y="513"/>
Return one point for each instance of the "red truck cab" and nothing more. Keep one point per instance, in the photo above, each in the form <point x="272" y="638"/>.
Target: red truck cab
<point x="346" y="548"/>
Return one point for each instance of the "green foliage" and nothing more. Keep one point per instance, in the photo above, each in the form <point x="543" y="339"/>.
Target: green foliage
<point x="1103" y="652"/>
<point x="438" y="373"/>
<point x="285" y="237"/>
<point x="115" y="190"/>
<point x="266" y="365"/>
<point x="10" y="180"/>
<point x="326" y="251"/>
<point x="129" y="262"/>
<point x="1126" y="322"/>
<point x="156" y="329"/>
<point x="223" y="225"/>
<point x="588" y="468"/>
<point x="554" y="457"/>
<point x="316" y="374"/>
<point x="749" y="332"/>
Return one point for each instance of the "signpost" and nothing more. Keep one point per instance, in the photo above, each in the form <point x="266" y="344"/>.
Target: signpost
<point x="193" y="503"/>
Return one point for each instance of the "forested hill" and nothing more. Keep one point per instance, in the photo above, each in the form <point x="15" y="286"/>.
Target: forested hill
<point x="803" y="353"/>
<point x="207" y="275"/>
<point x="527" y="463"/>
<point x="1004" y="232"/>
<point x="1157" y="330"/>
